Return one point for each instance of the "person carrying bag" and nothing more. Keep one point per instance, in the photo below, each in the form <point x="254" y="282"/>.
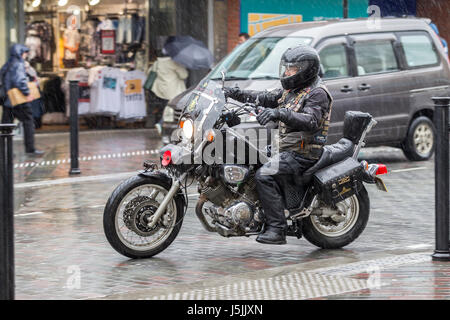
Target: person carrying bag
<point x="16" y="103"/>
<point x="164" y="82"/>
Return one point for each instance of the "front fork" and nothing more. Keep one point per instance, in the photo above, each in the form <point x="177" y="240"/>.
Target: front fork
<point x="176" y="184"/>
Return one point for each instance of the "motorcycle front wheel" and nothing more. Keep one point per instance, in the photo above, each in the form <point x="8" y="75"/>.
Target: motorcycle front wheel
<point x="128" y="211"/>
<point x="326" y="233"/>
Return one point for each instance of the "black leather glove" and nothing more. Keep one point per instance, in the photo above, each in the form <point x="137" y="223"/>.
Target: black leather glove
<point x="230" y="92"/>
<point x="267" y="115"/>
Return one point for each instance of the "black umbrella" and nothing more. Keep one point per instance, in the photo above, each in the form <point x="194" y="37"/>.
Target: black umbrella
<point x="189" y="52"/>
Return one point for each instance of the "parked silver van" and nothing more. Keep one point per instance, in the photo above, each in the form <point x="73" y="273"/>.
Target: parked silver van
<point x="390" y="68"/>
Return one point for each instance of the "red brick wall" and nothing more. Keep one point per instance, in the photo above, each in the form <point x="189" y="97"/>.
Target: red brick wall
<point x="438" y="12"/>
<point x="234" y="22"/>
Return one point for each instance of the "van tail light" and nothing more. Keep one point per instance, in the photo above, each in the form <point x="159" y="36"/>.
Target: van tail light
<point x="382" y="169"/>
<point x="166" y="158"/>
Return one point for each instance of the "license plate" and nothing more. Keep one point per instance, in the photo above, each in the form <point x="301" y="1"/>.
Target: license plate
<point x="380" y="184"/>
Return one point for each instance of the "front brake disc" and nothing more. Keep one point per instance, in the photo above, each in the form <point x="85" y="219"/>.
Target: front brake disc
<point x="137" y="214"/>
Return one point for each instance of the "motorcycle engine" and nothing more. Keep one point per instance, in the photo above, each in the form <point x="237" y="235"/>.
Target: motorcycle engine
<point x="240" y="217"/>
<point x="232" y="209"/>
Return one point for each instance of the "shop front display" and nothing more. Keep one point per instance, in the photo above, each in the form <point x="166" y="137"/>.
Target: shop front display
<point x="102" y="46"/>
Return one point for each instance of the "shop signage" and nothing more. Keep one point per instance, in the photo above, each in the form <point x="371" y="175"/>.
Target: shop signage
<point x="108" y="41"/>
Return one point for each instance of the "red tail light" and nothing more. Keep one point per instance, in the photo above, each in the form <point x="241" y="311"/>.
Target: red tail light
<point x="382" y="169"/>
<point x="167" y="158"/>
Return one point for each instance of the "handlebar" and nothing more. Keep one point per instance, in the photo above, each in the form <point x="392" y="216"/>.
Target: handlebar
<point x="254" y="109"/>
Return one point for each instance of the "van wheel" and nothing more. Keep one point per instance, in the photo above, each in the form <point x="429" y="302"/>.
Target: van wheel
<point x="421" y="140"/>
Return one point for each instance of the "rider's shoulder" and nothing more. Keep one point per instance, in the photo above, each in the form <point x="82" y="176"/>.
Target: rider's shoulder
<point x="318" y="91"/>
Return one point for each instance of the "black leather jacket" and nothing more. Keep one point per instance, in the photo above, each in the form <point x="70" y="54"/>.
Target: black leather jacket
<point x="303" y="119"/>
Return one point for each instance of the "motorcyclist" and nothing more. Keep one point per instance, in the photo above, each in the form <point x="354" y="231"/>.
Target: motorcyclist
<point x="302" y="109"/>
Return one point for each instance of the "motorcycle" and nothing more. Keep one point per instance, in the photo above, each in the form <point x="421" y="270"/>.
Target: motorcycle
<point x="328" y="205"/>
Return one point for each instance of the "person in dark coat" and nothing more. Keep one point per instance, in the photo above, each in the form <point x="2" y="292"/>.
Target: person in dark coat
<point x="302" y="109"/>
<point x="15" y="77"/>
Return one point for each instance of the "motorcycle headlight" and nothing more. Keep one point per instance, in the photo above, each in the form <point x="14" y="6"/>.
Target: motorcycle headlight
<point x="188" y="127"/>
<point x="168" y="114"/>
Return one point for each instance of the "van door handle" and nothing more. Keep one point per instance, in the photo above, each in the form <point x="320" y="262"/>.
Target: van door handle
<point x="346" y="88"/>
<point x="364" y="86"/>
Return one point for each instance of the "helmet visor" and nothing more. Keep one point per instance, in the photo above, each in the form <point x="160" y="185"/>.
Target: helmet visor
<point x="288" y="69"/>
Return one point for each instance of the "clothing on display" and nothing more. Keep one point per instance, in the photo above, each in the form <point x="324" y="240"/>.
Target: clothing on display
<point x="129" y="37"/>
<point x="53" y="96"/>
<point x="63" y="53"/>
<point x="133" y="95"/>
<point x="124" y="31"/>
<point x="71" y="45"/>
<point x="39" y="38"/>
<point x="131" y="29"/>
<point x="106" y="24"/>
<point x="88" y="44"/>
<point x="109" y="91"/>
<point x="138" y="26"/>
<point x="106" y="91"/>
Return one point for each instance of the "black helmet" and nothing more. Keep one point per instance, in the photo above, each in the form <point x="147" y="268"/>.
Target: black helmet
<point x="306" y="63"/>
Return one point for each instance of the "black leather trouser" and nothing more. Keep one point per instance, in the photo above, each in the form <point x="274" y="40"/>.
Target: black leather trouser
<point x="24" y="113"/>
<point x="270" y="182"/>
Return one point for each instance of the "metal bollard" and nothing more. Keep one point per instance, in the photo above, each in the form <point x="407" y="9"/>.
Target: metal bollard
<point x="7" y="283"/>
<point x="74" y="95"/>
<point x="441" y="172"/>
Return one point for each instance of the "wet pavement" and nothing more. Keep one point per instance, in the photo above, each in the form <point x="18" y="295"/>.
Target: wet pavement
<point x="100" y="152"/>
<point x="62" y="253"/>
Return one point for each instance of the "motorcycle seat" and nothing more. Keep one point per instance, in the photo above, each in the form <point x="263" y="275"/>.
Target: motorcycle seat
<point x="331" y="154"/>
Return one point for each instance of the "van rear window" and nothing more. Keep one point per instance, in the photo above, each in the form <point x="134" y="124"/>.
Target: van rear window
<point x="418" y="50"/>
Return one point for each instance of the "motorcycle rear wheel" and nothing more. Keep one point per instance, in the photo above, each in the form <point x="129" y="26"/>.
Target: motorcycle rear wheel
<point x="126" y="213"/>
<point x="326" y="237"/>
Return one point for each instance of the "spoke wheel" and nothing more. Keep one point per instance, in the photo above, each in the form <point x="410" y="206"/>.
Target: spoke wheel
<point x="134" y="213"/>
<point x="347" y="212"/>
<point x="130" y="209"/>
<point x="339" y="228"/>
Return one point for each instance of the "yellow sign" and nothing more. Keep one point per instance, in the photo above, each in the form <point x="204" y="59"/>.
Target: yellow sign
<point x="258" y="22"/>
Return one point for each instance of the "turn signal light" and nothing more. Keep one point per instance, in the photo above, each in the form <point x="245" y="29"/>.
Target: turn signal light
<point x="181" y="124"/>
<point x="382" y="169"/>
<point x="167" y="158"/>
<point x="210" y="136"/>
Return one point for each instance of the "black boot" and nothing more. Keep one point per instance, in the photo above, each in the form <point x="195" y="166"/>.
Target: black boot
<point x="272" y="235"/>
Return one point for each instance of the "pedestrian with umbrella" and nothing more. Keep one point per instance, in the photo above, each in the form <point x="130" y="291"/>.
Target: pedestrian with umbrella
<point x="166" y="79"/>
<point x="189" y="52"/>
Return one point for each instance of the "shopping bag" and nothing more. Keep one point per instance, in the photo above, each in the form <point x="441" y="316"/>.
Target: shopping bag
<point x="151" y="78"/>
<point x="16" y="97"/>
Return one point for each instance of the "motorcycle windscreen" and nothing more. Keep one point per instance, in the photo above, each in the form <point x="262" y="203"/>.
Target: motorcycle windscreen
<point x="205" y="105"/>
